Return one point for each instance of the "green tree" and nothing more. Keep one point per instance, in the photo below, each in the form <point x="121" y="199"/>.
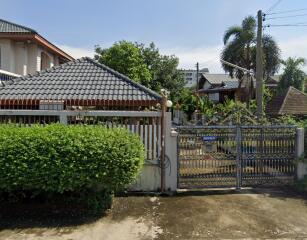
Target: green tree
<point x="188" y="102"/>
<point x="144" y="64"/>
<point x="126" y="58"/>
<point x="292" y="74"/>
<point x="240" y="49"/>
<point x="164" y="70"/>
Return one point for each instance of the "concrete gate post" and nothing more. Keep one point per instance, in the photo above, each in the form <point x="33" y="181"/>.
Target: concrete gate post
<point x="170" y="155"/>
<point x="299" y="151"/>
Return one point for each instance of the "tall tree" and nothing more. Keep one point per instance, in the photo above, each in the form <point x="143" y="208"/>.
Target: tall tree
<point x="292" y="74"/>
<point x="163" y="69"/>
<point x="126" y="58"/>
<point x="240" y="49"/>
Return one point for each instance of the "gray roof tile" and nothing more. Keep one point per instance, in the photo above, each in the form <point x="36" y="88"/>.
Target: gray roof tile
<point x="9" y="27"/>
<point x="79" y="79"/>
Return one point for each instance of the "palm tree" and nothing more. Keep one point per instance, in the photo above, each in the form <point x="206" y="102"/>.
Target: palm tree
<point x="240" y="49"/>
<point x="292" y="75"/>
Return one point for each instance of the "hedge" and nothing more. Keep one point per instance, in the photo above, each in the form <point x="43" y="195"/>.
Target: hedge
<point x="57" y="158"/>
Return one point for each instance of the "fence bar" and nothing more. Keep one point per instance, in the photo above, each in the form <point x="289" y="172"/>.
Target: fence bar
<point x="80" y="113"/>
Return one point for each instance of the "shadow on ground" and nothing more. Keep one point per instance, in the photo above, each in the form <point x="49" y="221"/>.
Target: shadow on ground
<point x="14" y="215"/>
<point x="215" y="214"/>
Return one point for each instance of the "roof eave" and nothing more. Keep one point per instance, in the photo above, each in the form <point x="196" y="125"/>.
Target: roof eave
<point x="38" y="39"/>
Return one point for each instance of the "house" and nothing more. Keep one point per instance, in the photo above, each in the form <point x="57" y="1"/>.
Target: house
<point x="24" y="51"/>
<point x="290" y="102"/>
<point x="190" y="76"/>
<point x="78" y="84"/>
<point x="272" y="81"/>
<point x="218" y="87"/>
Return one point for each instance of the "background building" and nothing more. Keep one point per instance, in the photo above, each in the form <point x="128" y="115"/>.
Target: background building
<point x="23" y="51"/>
<point x="190" y="76"/>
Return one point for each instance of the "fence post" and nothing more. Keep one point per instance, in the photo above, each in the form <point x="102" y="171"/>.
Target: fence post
<point x="63" y="118"/>
<point x="299" y="151"/>
<point x="238" y="158"/>
<point x="170" y="155"/>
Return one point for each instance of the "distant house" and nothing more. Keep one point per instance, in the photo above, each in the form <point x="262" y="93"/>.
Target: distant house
<point x="290" y="102"/>
<point x="24" y="51"/>
<point x="78" y="84"/>
<point x="272" y="81"/>
<point x="218" y="87"/>
<point x="190" y="76"/>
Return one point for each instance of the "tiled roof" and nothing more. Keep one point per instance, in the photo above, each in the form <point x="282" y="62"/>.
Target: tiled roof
<point x="219" y="78"/>
<point x="292" y="102"/>
<point x="273" y="80"/>
<point x="9" y="27"/>
<point x="81" y="79"/>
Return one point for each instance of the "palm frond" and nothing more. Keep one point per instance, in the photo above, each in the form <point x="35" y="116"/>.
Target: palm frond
<point x="235" y="30"/>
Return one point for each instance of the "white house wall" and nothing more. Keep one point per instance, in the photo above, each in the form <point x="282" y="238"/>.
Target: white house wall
<point x="33" y="58"/>
<point x="214" y="96"/>
<point x="207" y="85"/>
<point x="22" y="57"/>
<point x="7" y="55"/>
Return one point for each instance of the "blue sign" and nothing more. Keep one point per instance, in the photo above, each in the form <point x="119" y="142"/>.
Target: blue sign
<point x="209" y="138"/>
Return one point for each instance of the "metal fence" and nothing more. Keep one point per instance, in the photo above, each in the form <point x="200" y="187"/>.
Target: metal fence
<point x="235" y="156"/>
<point x="7" y="76"/>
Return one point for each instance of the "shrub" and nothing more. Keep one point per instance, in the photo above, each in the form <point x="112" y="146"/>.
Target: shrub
<point x="59" y="159"/>
<point x="301" y="185"/>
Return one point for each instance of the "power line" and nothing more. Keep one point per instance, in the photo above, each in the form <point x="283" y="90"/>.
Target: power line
<point x="274" y="6"/>
<point x="288" y="11"/>
<point x="286" y="25"/>
<point x="289" y="16"/>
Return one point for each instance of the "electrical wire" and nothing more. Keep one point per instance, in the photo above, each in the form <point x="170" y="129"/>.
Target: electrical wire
<point x="289" y="16"/>
<point x="288" y="11"/>
<point x="287" y="25"/>
<point x="274" y="6"/>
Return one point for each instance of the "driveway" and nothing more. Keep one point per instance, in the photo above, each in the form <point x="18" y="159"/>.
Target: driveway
<point x="250" y="214"/>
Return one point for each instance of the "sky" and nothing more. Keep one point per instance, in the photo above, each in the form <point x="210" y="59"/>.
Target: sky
<point x="190" y="29"/>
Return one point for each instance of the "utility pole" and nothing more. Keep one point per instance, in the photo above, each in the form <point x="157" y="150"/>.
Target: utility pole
<point x="197" y="77"/>
<point x="259" y="68"/>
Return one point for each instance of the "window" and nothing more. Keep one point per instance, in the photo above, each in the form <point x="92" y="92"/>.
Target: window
<point x="188" y="74"/>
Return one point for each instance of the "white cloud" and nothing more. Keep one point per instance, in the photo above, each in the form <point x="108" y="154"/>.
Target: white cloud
<point x="296" y="47"/>
<point x="206" y="56"/>
<point x="77" y="52"/>
<point x="210" y="56"/>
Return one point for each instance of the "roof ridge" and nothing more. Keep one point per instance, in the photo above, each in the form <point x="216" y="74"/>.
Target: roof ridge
<point x="140" y="86"/>
<point x="284" y="100"/>
<point x="18" y="25"/>
<point x="297" y="90"/>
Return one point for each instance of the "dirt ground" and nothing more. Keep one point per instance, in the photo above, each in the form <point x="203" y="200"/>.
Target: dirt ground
<point x="250" y="214"/>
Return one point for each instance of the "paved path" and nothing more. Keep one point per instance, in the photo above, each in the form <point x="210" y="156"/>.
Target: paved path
<point x="266" y="214"/>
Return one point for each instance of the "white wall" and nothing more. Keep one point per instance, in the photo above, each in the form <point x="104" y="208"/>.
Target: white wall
<point x="32" y="58"/>
<point x="207" y="85"/>
<point x="7" y="55"/>
<point x="23" y="57"/>
<point x="150" y="176"/>
<point x="214" y="96"/>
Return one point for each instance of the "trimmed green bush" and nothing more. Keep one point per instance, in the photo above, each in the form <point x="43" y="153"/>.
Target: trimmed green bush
<point x="57" y="158"/>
